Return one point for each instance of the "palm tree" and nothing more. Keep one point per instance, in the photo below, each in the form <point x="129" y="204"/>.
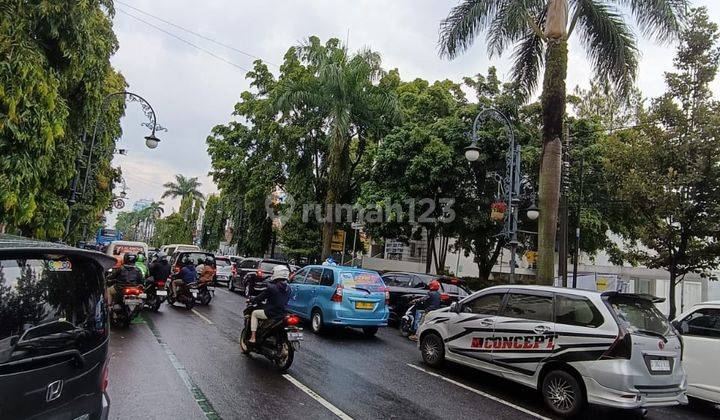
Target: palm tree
<point x="186" y="189"/>
<point x="539" y="30"/>
<point x="344" y="89"/>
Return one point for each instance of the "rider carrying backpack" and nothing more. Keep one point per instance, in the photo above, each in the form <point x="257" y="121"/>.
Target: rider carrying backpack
<point x="276" y="297"/>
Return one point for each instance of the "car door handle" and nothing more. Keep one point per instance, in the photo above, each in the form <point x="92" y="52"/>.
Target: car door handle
<point x="486" y="323"/>
<point x="541" y="329"/>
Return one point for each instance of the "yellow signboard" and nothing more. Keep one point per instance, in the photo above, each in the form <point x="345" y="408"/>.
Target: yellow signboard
<point x="338" y="240"/>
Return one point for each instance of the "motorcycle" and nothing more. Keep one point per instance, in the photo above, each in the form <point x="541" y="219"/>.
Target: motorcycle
<point x="156" y="293"/>
<point x="276" y="338"/>
<point x="133" y="298"/>
<point x="203" y="293"/>
<point x="186" y="295"/>
<point x="408" y="320"/>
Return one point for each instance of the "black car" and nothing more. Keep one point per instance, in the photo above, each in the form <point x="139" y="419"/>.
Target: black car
<point x="405" y="287"/>
<point x="53" y="331"/>
<point x="252" y="275"/>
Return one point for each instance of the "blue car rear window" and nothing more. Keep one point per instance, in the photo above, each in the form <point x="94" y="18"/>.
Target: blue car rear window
<point x="357" y="278"/>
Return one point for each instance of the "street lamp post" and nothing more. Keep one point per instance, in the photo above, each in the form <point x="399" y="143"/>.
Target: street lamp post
<point x="151" y="142"/>
<point x="510" y="183"/>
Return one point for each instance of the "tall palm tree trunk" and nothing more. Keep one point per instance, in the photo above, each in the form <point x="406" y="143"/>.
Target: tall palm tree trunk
<point x="553" y="110"/>
<point x="335" y="183"/>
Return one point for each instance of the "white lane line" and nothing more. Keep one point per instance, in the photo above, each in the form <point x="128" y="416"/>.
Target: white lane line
<point x="206" y="319"/>
<point x="318" y="398"/>
<point x="483" y="394"/>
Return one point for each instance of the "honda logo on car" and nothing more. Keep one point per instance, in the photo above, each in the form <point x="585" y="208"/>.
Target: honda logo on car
<point x="521" y="342"/>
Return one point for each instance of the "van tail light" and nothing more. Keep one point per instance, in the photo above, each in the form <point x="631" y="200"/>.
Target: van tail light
<point x="444" y="297"/>
<point x="132" y="291"/>
<point x="160" y="283"/>
<point x="260" y="274"/>
<point x="338" y="295"/>
<point x="292" y="320"/>
<point x="104" y="380"/>
<point x="387" y="295"/>
<point x="621" y="348"/>
<point x="176" y="269"/>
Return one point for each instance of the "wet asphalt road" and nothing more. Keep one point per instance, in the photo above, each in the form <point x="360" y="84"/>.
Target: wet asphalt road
<point x="186" y="364"/>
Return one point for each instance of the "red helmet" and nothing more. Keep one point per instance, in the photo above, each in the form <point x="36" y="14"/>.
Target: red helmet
<point x="434" y="285"/>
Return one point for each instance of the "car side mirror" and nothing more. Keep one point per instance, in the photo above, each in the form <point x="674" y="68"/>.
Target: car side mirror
<point x="455" y="307"/>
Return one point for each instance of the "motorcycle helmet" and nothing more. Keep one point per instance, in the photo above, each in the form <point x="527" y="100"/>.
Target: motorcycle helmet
<point x="141" y="257"/>
<point x="434" y="285"/>
<point x="280" y="272"/>
<point x="129" y="258"/>
<point x="329" y="261"/>
<point x="161" y="256"/>
<point x="209" y="261"/>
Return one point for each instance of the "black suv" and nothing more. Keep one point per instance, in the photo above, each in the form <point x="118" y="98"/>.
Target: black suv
<point x="252" y="275"/>
<point x="405" y="287"/>
<point x="53" y="331"/>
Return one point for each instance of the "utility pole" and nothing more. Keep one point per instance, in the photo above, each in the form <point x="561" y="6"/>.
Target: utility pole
<point x="563" y="210"/>
<point x="577" y="224"/>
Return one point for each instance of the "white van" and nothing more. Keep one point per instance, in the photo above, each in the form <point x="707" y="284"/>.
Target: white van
<point x="169" y="250"/>
<point x="117" y="249"/>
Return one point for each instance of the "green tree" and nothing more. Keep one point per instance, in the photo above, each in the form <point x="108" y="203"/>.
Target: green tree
<point x="188" y="189"/>
<point x="540" y="31"/>
<point x="344" y="88"/>
<point x="213" y="225"/>
<point x="667" y="171"/>
<point x="54" y="72"/>
<point x="172" y="229"/>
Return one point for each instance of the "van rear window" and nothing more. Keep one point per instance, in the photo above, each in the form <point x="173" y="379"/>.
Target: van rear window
<point x="358" y="278"/>
<point x="639" y="315"/>
<point x="49" y="306"/>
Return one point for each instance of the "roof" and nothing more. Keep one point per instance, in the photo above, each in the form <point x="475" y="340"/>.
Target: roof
<point x="343" y="268"/>
<point x="10" y="244"/>
<point x="553" y="289"/>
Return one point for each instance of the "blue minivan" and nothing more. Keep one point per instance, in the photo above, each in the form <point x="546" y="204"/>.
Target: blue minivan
<point x="339" y="296"/>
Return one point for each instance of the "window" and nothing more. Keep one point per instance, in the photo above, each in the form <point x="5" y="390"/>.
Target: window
<point x="575" y="310"/>
<point x="48" y="306"/>
<point x="487" y="304"/>
<point x="639" y="315"/>
<point x="222" y="262"/>
<point x="248" y="264"/>
<point x="197" y="258"/>
<point x="527" y="306"/>
<point x="267" y="266"/>
<point x="643" y="286"/>
<point x="421" y="282"/>
<point x="703" y="323"/>
<point x="454" y="289"/>
<point x="328" y="277"/>
<point x="299" y="276"/>
<point x="314" y="276"/>
<point x="397" y="280"/>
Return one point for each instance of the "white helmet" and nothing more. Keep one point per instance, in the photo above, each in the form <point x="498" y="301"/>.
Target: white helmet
<point x="280" y="272"/>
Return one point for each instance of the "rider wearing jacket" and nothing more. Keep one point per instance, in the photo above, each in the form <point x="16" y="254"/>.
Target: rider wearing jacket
<point x="187" y="275"/>
<point x="430" y="302"/>
<point x="127" y="274"/>
<point x="160" y="268"/>
<point x="276" y="297"/>
<point x="207" y="273"/>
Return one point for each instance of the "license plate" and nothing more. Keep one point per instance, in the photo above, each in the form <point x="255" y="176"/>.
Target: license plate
<point x="142" y="296"/>
<point x="162" y="292"/>
<point x="194" y="293"/>
<point x="660" y="365"/>
<point x="295" y="336"/>
<point x="364" y="305"/>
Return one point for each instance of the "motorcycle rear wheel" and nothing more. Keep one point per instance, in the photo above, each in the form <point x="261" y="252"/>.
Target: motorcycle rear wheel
<point x="189" y="304"/>
<point x="283" y="363"/>
<point x="405" y="328"/>
<point x="205" y="300"/>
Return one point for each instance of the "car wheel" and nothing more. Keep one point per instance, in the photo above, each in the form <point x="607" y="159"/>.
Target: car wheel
<point x="370" y="331"/>
<point x="432" y="349"/>
<point x="562" y="393"/>
<point x="231" y="284"/>
<point x="316" y="321"/>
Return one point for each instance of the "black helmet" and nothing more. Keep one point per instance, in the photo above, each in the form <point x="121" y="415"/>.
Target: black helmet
<point x="208" y="261"/>
<point x="129" y="258"/>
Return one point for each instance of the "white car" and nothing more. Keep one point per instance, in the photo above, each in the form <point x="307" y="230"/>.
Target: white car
<point x="700" y="330"/>
<point x="575" y="346"/>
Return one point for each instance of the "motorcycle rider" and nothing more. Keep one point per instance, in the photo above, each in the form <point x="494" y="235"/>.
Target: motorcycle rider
<point x="428" y="303"/>
<point x="160" y="269"/>
<point x="207" y="272"/>
<point x="128" y="273"/>
<point x="140" y="264"/>
<point x="186" y="276"/>
<point x="276" y="297"/>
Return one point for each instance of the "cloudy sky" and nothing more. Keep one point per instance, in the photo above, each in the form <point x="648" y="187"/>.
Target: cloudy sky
<point x="192" y="91"/>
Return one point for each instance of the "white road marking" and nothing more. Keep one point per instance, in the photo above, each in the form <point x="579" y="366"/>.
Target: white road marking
<point x="206" y="319"/>
<point x="318" y="398"/>
<point x="483" y="394"/>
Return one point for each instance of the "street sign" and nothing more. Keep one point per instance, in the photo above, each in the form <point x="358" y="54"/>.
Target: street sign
<point x="119" y="203"/>
<point x="338" y="241"/>
<point x="357" y="225"/>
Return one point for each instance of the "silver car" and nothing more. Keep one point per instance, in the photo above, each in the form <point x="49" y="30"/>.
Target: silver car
<point x="576" y="346"/>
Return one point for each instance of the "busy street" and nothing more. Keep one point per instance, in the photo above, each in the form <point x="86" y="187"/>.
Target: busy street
<point x="187" y="364"/>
